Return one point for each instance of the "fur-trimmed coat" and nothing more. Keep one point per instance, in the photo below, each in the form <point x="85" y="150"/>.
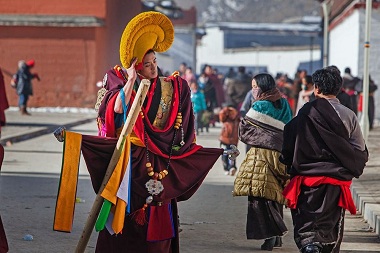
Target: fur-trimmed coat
<point x="229" y="117"/>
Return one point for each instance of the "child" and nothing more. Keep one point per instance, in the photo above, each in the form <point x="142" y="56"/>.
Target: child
<point x="206" y="117"/>
<point x="230" y="119"/>
<point x="199" y="105"/>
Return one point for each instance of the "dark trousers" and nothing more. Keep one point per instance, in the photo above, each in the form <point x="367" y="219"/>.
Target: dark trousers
<point x="227" y="163"/>
<point x="318" y="219"/>
<point x="371" y="111"/>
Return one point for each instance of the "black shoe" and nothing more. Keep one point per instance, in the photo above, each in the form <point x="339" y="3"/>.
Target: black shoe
<point x="268" y="244"/>
<point x="311" y="248"/>
<point x="278" y="242"/>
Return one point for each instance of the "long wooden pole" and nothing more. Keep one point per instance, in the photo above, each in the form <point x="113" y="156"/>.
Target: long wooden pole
<point x="127" y="129"/>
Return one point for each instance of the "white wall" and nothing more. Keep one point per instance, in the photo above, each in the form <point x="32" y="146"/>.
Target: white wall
<point x="344" y="44"/>
<point x="347" y="47"/>
<point x="166" y="63"/>
<point x="211" y="51"/>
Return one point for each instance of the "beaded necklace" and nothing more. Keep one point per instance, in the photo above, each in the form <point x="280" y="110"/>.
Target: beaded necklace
<point x="154" y="185"/>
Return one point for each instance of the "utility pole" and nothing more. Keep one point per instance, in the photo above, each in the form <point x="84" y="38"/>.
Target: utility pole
<point x="364" y="123"/>
<point x="326" y="11"/>
<point x="257" y="47"/>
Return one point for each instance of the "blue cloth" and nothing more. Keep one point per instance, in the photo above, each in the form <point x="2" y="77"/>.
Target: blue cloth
<point x="121" y="118"/>
<point x="199" y="101"/>
<point x="283" y="114"/>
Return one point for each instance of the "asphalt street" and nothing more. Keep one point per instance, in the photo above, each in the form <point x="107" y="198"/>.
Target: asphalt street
<point x="211" y="221"/>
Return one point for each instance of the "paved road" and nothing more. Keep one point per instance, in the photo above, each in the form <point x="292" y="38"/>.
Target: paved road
<point x="212" y="220"/>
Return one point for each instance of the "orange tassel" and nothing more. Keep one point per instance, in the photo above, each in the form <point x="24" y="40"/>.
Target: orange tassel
<point x="140" y="216"/>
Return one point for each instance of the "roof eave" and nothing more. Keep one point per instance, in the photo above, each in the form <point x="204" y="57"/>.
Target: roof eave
<point x="50" y="20"/>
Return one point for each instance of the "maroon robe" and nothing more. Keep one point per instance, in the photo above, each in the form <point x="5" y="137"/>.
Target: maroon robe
<point x="3" y="100"/>
<point x="3" y="238"/>
<point x="187" y="168"/>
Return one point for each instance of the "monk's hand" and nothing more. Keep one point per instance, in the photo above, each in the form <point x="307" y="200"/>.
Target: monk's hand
<point x="131" y="71"/>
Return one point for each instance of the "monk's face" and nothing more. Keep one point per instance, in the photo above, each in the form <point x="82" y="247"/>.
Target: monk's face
<point x="149" y="69"/>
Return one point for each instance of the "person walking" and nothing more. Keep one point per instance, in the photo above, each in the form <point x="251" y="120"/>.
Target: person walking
<point x="199" y="105"/>
<point x="213" y="90"/>
<point x="189" y="75"/>
<point x="323" y="150"/>
<point x="237" y="88"/>
<point x="182" y="69"/>
<point x="3" y="101"/>
<point x="261" y="176"/>
<point x="350" y="84"/>
<point x="22" y="81"/>
<point x="307" y="89"/>
<point x="230" y="118"/>
<point x="245" y="106"/>
<point x="372" y="87"/>
<point x="297" y="85"/>
<point x="247" y="103"/>
<point x="286" y="87"/>
<point x="371" y="102"/>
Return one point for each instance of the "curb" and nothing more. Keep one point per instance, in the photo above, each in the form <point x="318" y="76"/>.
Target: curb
<point x="37" y="133"/>
<point x="367" y="206"/>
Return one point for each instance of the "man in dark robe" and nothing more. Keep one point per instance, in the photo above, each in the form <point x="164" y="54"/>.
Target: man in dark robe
<point x="324" y="150"/>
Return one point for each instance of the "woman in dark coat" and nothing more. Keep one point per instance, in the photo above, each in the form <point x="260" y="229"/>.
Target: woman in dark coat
<point x="261" y="176"/>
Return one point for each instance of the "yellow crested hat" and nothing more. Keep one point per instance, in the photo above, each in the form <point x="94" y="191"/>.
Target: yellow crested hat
<point x="148" y="30"/>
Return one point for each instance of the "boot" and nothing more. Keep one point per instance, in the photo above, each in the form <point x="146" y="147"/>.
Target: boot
<point x="27" y="113"/>
<point x="311" y="248"/>
<point x="278" y="242"/>
<point x="268" y="244"/>
<point x="24" y="111"/>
